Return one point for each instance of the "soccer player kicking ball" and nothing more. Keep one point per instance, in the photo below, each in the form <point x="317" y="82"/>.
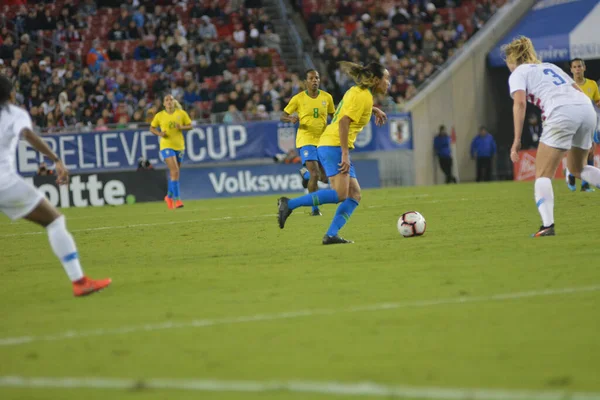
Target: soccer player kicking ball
<point x="590" y="89"/>
<point x="313" y="107"/>
<point x="19" y="199"/>
<point x="570" y="123"/>
<point x="335" y="144"/>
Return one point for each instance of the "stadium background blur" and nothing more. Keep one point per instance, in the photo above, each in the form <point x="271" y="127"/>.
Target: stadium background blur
<point x="98" y="65"/>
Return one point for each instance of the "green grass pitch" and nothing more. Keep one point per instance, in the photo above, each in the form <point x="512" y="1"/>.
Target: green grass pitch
<point x="216" y="291"/>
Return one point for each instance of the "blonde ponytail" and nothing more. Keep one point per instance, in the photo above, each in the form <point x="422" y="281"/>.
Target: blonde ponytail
<point x="520" y="51"/>
<point x="177" y="105"/>
<point x="363" y="76"/>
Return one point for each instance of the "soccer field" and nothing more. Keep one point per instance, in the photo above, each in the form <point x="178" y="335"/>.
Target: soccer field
<point x="214" y="301"/>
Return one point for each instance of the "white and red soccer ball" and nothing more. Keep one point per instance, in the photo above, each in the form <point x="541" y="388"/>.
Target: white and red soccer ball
<point x="412" y="223"/>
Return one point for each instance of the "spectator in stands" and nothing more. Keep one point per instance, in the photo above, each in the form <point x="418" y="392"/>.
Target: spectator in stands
<point x="244" y="60"/>
<point x="532" y="132"/>
<point x="113" y="53"/>
<point x="271" y="40"/>
<point x="117" y="32"/>
<point x="207" y="30"/>
<point x="441" y="145"/>
<point x="263" y="59"/>
<point x="144" y="52"/>
<point x="239" y="35"/>
<point x="483" y="149"/>
<point x="233" y="115"/>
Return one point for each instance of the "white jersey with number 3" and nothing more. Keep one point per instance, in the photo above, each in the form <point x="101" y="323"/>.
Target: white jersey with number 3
<point x="12" y="122"/>
<point x="547" y="87"/>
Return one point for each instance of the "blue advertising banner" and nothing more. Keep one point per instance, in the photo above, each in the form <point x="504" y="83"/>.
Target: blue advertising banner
<point x="203" y="183"/>
<point x="120" y="150"/>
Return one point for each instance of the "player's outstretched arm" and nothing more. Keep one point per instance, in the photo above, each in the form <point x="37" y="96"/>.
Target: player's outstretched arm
<point x="37" y="143"/>
<point x="519" y="108"/>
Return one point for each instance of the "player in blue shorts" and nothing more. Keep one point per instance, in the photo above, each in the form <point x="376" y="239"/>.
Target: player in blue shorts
<point x="335" y="144"/>
<point x="313" y="107"/>
<point x="172" y="121"/>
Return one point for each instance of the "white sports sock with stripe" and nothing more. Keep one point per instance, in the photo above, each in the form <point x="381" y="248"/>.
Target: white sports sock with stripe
<point x="63" y="245"/>
<point x="544" y="199"/>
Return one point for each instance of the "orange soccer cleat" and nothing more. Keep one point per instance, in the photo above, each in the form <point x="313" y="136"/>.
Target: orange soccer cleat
<point x="86" y="286"/>
<point x="179" y="204"/>
<point x="170" y="203"/>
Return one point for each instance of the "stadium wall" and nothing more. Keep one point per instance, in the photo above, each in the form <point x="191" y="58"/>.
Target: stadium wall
<point x="460" y="97"/>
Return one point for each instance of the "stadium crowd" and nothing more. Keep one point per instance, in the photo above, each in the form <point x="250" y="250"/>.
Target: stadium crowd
<point x="219" y="58"/>
<point x="412" y="38"/>
<point x="231" y="73"/>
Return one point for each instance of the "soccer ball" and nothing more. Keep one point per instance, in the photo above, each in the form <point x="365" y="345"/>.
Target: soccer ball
<point x="411" y="223"/>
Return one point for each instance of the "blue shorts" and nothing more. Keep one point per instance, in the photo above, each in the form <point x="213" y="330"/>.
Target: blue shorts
<point x="330" y="157"/>
<point x="166" y="153"/>
<point x="308" y="153"/>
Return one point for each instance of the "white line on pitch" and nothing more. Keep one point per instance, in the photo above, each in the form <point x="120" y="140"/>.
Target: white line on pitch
<point x="200" y="323"/>
<point x="105" y="228"/>
<point x="355" y="389"/>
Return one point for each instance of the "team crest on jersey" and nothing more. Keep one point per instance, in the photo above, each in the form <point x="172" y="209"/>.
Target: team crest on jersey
<point x="324" y="103"/>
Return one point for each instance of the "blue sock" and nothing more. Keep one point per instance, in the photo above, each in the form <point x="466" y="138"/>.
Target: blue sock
<point x="306" y="175"/>
<point x="170" y="189"/>
<point x="342" y="215"/>
<point x="589" y="162"/>
<point x="326" y="196"/>
<point x="176" y="190"/>
<point x="315" y="208"/>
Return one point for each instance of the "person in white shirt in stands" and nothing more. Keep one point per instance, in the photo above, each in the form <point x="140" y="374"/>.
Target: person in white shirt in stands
<point x="19" y="199"/>
<point x="569" y="122"/>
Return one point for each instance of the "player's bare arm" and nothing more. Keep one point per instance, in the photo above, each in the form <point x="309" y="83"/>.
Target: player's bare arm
<point x="37" y="143"/>
<point x="285" y="117"/>
<point x="380" y="116"/>
<point x="519" y="107"/>
<point x="157" y="132"/>
<point x="344" y="129"/>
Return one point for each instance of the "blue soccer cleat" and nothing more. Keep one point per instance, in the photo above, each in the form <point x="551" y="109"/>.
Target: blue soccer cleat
<point x="570" y="179"/>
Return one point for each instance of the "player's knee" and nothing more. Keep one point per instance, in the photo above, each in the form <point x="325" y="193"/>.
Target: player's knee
<point x="342" y="194"/>
<point x="175" y="175"/>
<point x="355" y="194"/>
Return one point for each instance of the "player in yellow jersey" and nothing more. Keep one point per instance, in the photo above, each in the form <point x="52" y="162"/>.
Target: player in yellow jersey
<point x="590" y="88"/>
<point x="313" y="106"/>
<point x="350" y="117"/>
<point x="172" y="121"/>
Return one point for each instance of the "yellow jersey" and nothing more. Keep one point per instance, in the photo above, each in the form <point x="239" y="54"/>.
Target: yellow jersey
<point x="357" y="105"/>
<point x="590" y="88"/>
<point x="173" y="138"/>
<point x="312" y="115"/>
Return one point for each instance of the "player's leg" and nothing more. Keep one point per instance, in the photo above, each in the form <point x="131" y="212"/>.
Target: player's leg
<point x="547" y="160"/>
<point x="582" y="142"/>
<point x="313" y="182"/>
<point x="570" y="179"/>
<point x="322" y="174"/>
<point x="173" y="193"/>
<point x="344" y="210"/>
<point x="330" y="157"/>
<point x="22" y="200"/>
<point x="585" y="186"/>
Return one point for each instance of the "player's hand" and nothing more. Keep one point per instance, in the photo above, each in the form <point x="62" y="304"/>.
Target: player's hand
<point x="178" y="126"/>
<point x="380" y="117"/>
<point x="62" y="175"/>
<point x="344" y="166"/>
<point x="514" y="152"/>
<point x="294" y="119"/>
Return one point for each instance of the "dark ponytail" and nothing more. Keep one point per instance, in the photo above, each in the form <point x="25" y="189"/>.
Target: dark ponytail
<point x="363" y="76"/>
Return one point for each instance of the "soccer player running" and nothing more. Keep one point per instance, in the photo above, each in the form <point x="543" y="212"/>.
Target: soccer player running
<point x="570" y="120"/>
<point x="172" y="121"/>
<point x="313" y="106"/>
<point x="590" y="89"/>
<point x="350" y="117"/>
<point x="19" y="199"/>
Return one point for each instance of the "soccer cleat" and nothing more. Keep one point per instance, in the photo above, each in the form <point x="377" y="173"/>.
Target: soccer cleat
<point x="170" y="204"/>
<point x="303" y="171"/>
<point x="179" y="204"/>
<point x="335" y="240"/>
<point x="283" y="211"/>
<point x="315" y="213"/>
<point x="586" y="188"/>
<point x="570" y="182"/>
<point x="86" y="286"/>
<point x="545" y="231"/>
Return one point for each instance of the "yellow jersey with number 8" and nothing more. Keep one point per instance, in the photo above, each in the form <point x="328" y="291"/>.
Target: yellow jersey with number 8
<point x="357" y="105"/>
<point x="173" y="138"/>
<point x="312" y="116"/>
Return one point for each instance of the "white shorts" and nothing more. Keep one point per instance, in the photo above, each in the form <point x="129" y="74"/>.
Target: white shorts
<point x="570" y="126"/>
<point x="19" y="198"/>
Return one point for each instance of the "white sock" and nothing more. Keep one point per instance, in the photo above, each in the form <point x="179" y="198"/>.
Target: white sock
<point x="544" y="199"/>
<point x="591" y="175"/>
<point x="63" y="245"/>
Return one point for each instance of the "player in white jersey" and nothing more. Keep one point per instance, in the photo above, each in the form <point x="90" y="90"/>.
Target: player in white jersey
<point x="19" y="199"/>
<point x="569" y="122"/>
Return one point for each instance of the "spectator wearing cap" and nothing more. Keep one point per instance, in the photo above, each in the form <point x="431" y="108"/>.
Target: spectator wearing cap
<point x="96" y="56"/>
